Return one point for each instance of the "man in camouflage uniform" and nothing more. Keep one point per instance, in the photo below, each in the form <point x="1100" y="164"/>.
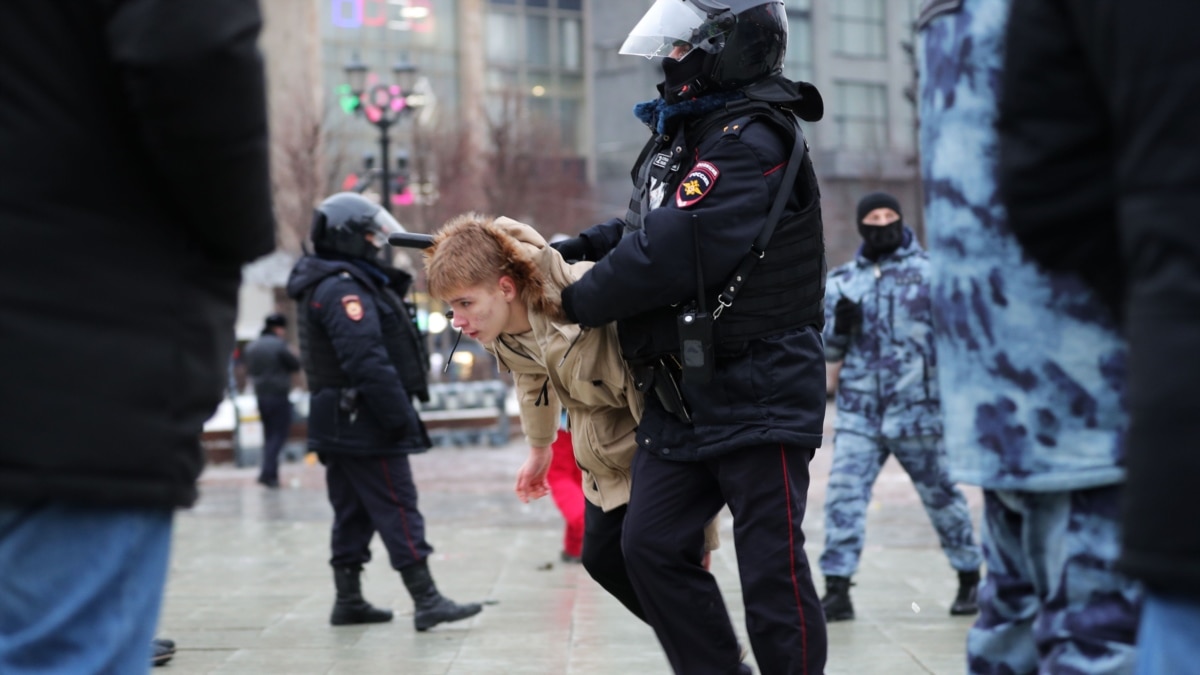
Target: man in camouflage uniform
<point x="879" y="326"/>
<point x="1033" y="374"/>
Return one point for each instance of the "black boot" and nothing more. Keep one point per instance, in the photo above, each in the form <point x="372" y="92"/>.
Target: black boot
<point x="966" y="602"/>
<point x="350" y="608"/>
<point x="430" y="607"/>
<point x="836" y="602"/>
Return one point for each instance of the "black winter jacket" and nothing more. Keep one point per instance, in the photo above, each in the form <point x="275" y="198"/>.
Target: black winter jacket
<point x="133" y="186"/>
<point x="372" y="345"/>
<point x="270" y="365"/>
<point x="1101" y="175"/>
<point x="765" y="390"/>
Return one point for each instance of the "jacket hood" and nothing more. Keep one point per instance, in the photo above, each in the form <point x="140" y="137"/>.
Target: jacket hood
<point x="537" y="267"/>
<point x="802" y="97"/>
<point x="310" y="269"/>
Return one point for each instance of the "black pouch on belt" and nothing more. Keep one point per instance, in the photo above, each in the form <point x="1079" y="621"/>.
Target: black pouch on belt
<point x="667" y="377"/>
<point x="660" y="378"/>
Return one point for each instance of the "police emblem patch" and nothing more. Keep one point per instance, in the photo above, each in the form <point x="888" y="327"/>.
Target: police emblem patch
<point x="353" y="307"/>
<point x="696" y="184"/>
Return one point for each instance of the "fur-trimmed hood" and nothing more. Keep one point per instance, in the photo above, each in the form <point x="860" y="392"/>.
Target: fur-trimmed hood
<point x="538" y="269"/>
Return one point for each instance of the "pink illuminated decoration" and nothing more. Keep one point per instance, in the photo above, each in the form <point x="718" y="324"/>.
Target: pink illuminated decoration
<point x="400" y="15"/>
<point x="403" y="199"/>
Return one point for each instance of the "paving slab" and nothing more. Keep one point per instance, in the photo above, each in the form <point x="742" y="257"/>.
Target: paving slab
<point x="250" y="588"/>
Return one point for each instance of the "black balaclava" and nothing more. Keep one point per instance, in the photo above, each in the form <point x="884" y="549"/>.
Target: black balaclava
<point x="683" y="76"/>
<point x="880" y="240"/>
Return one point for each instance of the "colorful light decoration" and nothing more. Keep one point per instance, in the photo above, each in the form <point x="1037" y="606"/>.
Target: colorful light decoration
<point x="400" y="15"/>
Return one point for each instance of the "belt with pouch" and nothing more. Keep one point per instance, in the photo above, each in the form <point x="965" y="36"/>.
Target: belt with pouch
<point x="662" y="377"/>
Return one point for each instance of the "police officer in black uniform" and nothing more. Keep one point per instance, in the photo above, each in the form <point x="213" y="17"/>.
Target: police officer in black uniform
<point x="722" y="326"/>
<point x="365" y="363"/>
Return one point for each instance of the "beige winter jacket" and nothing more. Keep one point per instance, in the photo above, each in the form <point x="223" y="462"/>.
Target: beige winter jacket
<point x="560" y="365"/>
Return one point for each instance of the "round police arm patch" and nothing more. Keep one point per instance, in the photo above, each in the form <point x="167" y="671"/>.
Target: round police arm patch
<point x="698" y="183"/>
<point x="353" y="307"/>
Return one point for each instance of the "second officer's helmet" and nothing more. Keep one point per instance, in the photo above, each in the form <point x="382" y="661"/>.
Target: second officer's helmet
<point x="350" y="225"/>
<point x="731" y="43"/>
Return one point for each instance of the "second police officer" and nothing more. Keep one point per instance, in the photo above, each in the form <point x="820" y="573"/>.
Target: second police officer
<point x="879" y="328"/>
<point x="365" y="363"/>
<point x="735" y="405"/>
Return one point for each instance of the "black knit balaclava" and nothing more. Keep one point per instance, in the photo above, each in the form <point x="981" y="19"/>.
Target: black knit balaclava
<point x="879" y="240"/>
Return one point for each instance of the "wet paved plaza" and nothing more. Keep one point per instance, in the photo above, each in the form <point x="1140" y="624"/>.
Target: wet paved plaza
<point x="250" y="587"/>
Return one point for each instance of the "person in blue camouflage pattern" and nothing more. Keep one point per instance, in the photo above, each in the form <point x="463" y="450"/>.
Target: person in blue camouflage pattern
<point x="879" y="326"/>
<point x="1032" y="374"/>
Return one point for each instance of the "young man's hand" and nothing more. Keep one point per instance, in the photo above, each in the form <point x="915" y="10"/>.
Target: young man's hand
<point x="531" y="478"/>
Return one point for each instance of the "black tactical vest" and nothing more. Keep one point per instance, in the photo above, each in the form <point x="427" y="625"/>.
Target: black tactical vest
<point x="784" y="291"/>
<point x="401" y="339"/>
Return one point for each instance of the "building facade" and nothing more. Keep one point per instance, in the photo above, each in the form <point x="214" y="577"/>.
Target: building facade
<point x="554" y="63"/>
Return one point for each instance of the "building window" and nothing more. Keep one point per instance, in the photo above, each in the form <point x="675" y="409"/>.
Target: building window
<point x="535" y="54"/>
<point x="537" y="41"/>
<point x="859" y="28"/>
<point x="797" y="61"/>
<point x="503" y="38"/>
<point x="570" y="44"/>
<point x="861" y="115"/>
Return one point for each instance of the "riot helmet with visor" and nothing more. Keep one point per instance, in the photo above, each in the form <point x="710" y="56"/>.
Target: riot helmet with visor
<point x="711" y="45"/>
<point x="348" y="225"/>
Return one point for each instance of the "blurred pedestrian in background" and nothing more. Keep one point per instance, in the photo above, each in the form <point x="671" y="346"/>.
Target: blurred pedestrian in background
<point x="1033" y="375"/>
<point x="270" y="364"/>
<point x="565" y="479"/>
<point x="365" y="362"/>
<point x="119" y="293"/>
<point x="1100" y="173"/>
<point x="879" y="343"/>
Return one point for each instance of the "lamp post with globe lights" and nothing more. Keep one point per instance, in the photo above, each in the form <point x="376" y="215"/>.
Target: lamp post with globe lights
<point x="384" y="106"/>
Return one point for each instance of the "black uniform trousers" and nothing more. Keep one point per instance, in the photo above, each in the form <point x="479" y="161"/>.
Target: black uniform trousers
<point x="766" y="488"/>
<point x="602" y="556"/>
<point x="372" y="494"/>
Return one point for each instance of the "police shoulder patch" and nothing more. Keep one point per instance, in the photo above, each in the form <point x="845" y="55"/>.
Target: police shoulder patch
<point x="698" y="182"/>
<point x="353" y="307"/>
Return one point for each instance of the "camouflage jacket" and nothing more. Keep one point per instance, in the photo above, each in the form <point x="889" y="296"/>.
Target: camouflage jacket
<point x="887" y="385"/>
<point x="1032" y="368"/>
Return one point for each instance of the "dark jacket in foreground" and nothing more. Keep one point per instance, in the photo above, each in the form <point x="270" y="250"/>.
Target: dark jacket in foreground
<point x="768" y="388"/>
<point x="133" y="186"/>
<point x="1101" y="175"/>
<point x="360" y="349"/>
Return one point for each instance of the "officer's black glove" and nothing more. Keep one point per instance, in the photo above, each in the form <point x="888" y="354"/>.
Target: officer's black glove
<point x="847" y="316"/>
<point x="573" y="249"/>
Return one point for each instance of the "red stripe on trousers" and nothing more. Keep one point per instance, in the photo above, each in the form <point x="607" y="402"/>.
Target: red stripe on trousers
<point x="787" y="497"/>
<point x="403" y="517"/>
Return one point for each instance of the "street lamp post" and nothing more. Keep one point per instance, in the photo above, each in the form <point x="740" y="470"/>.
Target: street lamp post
<point x="384" y="105"/>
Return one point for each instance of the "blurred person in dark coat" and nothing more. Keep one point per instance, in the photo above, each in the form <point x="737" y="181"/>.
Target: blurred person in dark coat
<point x="133" y="187"/>
<point x="270" y="364"/>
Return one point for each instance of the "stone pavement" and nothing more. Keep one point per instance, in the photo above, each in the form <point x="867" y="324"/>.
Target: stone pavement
<point x="250" y="588"/>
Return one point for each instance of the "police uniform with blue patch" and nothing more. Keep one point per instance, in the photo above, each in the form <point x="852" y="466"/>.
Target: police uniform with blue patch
<point x="729" y="355"/>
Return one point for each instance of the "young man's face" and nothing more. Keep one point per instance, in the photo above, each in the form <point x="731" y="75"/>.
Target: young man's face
<point x="485" y="311"/>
